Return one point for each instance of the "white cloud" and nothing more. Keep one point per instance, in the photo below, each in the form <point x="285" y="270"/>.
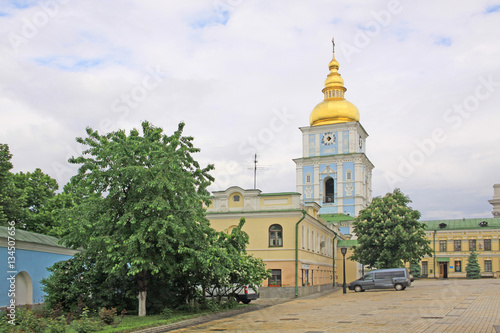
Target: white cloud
<point x="227" y="65"/>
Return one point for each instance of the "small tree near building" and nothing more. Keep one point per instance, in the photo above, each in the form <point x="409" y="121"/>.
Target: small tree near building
<point x="415" y="268"/>
<point x="473" y="270"/>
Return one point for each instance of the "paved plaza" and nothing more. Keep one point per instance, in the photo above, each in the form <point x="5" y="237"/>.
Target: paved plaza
<point x="426" y="306"/>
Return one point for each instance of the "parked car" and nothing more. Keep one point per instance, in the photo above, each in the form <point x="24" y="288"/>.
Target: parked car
<point x="247" y="294"/>
<point x="397" y="278"/>
<point x="244" y="294"/>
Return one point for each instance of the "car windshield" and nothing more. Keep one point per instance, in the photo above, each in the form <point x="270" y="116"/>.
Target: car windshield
<point x="368" y="277"/>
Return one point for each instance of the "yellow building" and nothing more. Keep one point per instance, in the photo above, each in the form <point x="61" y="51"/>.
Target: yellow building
<point x="452" y="241"/>
<point x="281" y="227"/>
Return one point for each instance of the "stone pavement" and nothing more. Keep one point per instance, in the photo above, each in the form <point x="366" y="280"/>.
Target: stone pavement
<point x="427" y="306"/>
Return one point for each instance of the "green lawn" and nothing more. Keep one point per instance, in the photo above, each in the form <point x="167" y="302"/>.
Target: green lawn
<point x="134" y="323"/>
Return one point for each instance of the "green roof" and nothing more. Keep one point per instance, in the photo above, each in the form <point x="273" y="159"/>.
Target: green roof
<point x="31" y="237"/>
<point x="332" y="218"/>
<point x="347" y="242"/>
<point x="492" y="223"/>
<point x="256" y="211"/>
<point x="277" y="194"/>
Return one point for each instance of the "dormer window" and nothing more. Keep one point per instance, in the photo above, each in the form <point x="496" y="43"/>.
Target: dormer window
<point x="483" y="224"/>
<point x="442" y="225"/>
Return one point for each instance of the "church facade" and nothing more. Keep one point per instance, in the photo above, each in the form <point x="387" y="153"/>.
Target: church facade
<point x="296" y="233"/>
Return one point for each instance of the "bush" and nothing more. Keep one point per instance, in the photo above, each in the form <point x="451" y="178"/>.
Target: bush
<point x="231" y="303"/>
<point x="212" y="306"/>
<point x="107" y="316"/>
<point x="56" y="325"/>
<point x="190" y="307"/>
<point x="29" y="322"/>
<point x="4" y="323"/>
<point x="167" y="313"/>
<point x="85" y="324"/>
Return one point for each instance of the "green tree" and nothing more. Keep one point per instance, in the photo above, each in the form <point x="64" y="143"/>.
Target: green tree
<point x="415" y="268"/>
<point x="473" y="270"/>
<point x="9" y="205"/>
<point x="389" y="233"/>
<point x="28" y="199"/>
<point x="229" y="268"/>
<point x="82" y="282"/>
<point x="36" y="196"/>
<point x="139" y="205"/>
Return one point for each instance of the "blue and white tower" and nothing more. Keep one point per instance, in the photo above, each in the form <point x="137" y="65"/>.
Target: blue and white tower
<point x="334" y="170"/>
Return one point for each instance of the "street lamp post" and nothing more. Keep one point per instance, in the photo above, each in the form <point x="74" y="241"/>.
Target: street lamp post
<point x="343" y="250"/>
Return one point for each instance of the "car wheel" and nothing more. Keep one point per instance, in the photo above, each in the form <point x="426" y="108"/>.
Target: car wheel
<point x="399" y="287"/>
<point x="246" y="301"/>
<point x="358" y="289"/>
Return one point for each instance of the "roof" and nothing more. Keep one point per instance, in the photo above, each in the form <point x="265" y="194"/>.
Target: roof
<point x="332" y="218"/>
<point x="347" y="242"/>
<point x="255" y="211"/>
<point x="31" y="237"/>
<point x="278" y="193"/>
<point x="458" y="224"/>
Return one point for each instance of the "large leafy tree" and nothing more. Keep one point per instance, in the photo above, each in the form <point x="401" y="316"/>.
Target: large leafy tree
<point x="139" y="204"/>
<point x="389" y="233"/>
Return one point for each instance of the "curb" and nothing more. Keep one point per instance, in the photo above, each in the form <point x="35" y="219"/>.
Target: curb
<point x="201" y="320"/>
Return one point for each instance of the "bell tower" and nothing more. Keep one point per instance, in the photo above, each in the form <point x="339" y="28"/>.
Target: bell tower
<point x="334" y="170"/>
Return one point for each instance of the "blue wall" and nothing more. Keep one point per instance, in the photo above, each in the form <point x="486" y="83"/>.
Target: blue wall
<point x="345" y="142"/>
<point x="312" y="144"/>
<point x="345" y="230"/>
<point x="32" y="262"/>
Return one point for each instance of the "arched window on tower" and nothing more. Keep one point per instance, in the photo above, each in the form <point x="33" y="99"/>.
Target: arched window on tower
<point x="328" y="190"/>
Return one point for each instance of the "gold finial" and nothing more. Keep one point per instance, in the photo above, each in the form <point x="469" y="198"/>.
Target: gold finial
<point x="333" y="43"/>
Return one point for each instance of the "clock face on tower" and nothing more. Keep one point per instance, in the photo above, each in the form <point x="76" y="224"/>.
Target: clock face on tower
<point x="328" y="138"/>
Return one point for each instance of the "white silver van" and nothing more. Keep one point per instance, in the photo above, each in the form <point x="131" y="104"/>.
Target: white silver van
<point x="397" y="278"/>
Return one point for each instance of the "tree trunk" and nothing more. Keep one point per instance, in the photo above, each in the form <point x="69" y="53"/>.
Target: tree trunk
<point x="142" y="281"/>
<point x="142" y="303"/>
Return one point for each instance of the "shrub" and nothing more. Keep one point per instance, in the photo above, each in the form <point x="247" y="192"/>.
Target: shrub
<point x="212" y="306"/>
<point x="85" y="324"/>
<point x="166" y="313"/>
<point x="107" y="316"/>
<point x="56" y="325"/>
<point x="29" y="322"/>
<point x="231" y="303"/>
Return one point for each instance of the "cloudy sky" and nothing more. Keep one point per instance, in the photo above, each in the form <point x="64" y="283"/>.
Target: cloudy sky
<point x="245" y="75"/>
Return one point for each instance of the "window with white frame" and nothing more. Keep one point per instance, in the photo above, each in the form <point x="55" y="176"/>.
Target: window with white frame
<point x="275" y="235"/>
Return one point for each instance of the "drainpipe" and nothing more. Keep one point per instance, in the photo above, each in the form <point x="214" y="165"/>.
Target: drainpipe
<point x="333" y="255"/>
<point x="434" y="245"/>
<point x="297" y="253"/>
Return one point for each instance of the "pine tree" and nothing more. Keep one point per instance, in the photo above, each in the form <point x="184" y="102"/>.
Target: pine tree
<point x="415" y="268"/>
<point x="473" y="270"/>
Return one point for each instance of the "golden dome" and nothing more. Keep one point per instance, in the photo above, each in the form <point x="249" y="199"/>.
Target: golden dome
<point x="335" y="108"/>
